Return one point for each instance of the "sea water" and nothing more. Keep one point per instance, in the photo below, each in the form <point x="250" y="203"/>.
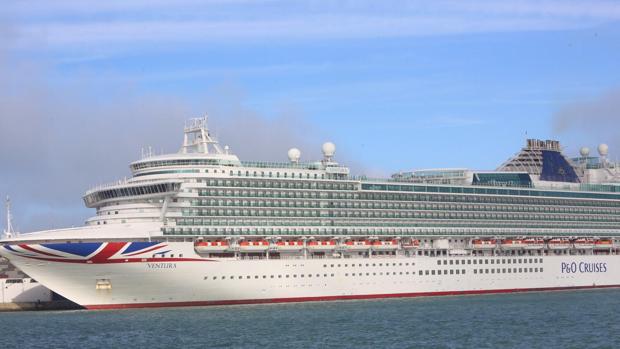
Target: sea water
<point x="582" y="319"/>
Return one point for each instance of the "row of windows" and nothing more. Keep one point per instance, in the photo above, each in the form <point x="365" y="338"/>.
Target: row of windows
<point x="508" y="270"/>
<point x="222" y="162"/>
<point x="491" y="261"/>
<point x="438" y="272"/>
<point x="394" y="197"/>
<point x="280" y="276"/>
<point x="406" y="264"/>
<point x="358" y="204"/>
<point x="387" y="273"/>
<point x="177" y="162"/>
<point x="290" y="194"/>
<point x="165" y="172"/>
<point x="488" y="191"/>
<point x="385" y="229"/>
<point x="281" y="184"/>
<point x="107" y="194"/>
<point x="439" y="223"/>
<point x="403" y="188"/>
<point x="397" y="215"/>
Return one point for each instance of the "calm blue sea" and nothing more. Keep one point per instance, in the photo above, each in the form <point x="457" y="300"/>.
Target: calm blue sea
<point x="585" y="319"/>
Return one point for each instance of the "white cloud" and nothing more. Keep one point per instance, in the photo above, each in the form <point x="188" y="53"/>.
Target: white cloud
<point x="70" y="23"/>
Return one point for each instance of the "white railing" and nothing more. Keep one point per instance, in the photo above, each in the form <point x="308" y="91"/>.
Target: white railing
<point x="108" y="185"/>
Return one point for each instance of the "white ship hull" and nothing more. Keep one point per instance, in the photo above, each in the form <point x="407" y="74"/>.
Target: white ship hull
<point x="228" y="231"/>
<point x="144" y="281"/>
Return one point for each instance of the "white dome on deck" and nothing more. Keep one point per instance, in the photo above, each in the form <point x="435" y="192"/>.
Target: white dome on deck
<point x="294" y="154"/>
<point x="329" y="149"/>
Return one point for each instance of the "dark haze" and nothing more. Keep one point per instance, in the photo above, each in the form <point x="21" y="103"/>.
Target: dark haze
<point x="590" y="122"/>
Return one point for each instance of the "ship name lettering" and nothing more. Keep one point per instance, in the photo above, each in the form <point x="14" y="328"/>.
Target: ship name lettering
<point x="161" y="265"/>
<point x="583" y="267"/>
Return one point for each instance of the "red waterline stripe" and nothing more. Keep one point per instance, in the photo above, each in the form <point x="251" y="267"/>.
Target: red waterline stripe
<point x="120" y="260"/>
<point x="335" y="298"/>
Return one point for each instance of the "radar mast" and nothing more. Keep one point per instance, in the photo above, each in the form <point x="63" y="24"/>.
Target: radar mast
<point x="8" y="232"/>
<point x="198" y="139"/>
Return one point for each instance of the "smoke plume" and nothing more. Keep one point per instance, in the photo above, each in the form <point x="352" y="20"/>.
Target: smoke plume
<point x="591" y="122"/>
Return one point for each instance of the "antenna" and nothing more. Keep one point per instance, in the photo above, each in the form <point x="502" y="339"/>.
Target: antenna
<point x="8" y="233"/>
<point x="198" y="139"/>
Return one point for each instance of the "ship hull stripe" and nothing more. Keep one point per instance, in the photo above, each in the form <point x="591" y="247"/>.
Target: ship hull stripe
<point x="29" y="248"/>
<point x="338" y="298"/>
<point x="120" y="260"/>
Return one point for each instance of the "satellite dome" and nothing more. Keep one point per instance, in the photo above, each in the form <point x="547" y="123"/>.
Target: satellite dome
<point x="585" y="152"/>
<point x="603" y="149"/>
<point x="294" y="154"/>
<point x="329" y="149"/>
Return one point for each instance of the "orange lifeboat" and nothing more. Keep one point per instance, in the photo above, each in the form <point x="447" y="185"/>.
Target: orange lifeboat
<point x="559" y="244"/>
<point x="584" y="244"/>
<point x="603" y="244"/>
<point x="289" y="245"/>
<point x="211" y="246"/>
<point x="534" y="243"/>
<point x="484" y="244"/>
<point x="512" y="244"/>
<point x="321" y="245"/>
<point x="253" y="245"/>
<point x="385" y="245"/>
<point x="412" y="244"/>
<point x="356" y="245"/>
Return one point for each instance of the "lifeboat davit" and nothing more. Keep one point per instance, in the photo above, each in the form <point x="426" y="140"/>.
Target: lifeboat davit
<point x="534" y="244"/>
<point x="212" y="246"/>
<point x="584" y="244"/>
<point x="385" y="245"/>
<point x="512" y="244"/>
<point x="411" y="244"/>
<point x="356" y="245"/>
<point x="559" y="244"/>
<point x="253" y="245"/>
<point x="483" y="244"/>
<point x="321" y="245"/>
<point x="289" y="245"/>
<point x="603" y="244"/>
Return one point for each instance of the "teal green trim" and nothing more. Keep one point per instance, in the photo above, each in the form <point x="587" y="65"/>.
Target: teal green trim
<point x="166" y="172"/>
<point x="489" y="191"/>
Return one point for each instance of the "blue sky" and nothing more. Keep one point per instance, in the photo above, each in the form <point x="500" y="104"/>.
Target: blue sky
<point x="396" y="85"/>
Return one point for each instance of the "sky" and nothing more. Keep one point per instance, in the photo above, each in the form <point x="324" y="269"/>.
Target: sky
<point x="396" y="85"/>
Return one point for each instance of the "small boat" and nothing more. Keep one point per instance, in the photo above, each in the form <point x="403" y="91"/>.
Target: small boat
<point x="289" y="245"/>
<point x="253" y="245"/>
<point x="211" y="246"/>
<point x="603" y="244"/>
<point x="534" y="244"/>
<point x="356" y="245"/>
<point x="321" y="245"/>
<point x="512" y="244"/>
<point x="385" y="245"/>
<point x="584" y="244"/>
<point x="484" y="244"/>
<point x="559" y="244"/>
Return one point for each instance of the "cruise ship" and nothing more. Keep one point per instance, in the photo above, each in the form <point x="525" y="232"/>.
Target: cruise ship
<point x="202" y="227"/>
